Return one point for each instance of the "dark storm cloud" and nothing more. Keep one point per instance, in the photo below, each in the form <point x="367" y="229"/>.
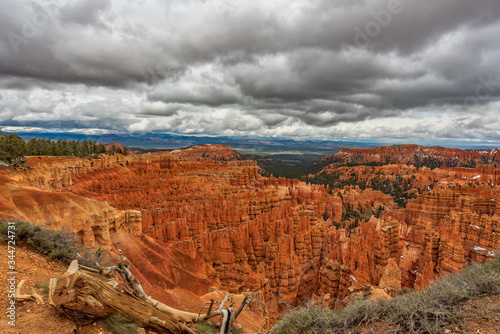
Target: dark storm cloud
<point x="283" y="68"/>
<point x="76" y="42"/>
<point x="209" y="96"/>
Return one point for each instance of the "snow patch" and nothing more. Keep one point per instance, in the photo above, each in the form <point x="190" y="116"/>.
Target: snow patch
<point x="355" y="280"/>
<point x="477" y="248"/>
<point x="475" y="226"/>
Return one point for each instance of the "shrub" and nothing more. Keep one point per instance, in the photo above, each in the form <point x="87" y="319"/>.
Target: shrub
<point x="43" y="286"/>
<point x="59" y="245"/>
<point x="118" y="324"/>
<point x="205" y="328"/>
<point x="62" y="245"/>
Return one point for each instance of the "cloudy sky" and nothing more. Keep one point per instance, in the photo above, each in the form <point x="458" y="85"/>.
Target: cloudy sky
<point x="387" y="70"/>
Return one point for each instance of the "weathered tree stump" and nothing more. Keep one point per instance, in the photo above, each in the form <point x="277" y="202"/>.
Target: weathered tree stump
<point x="85" y="290"/>
<point x="95" y="295"/>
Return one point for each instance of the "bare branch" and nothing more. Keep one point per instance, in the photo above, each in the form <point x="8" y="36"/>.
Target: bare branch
<point x="90" y="269"/>
<point x="34" y="295"/>
<point x="211" y="305"/>
<point x="223" y="301"/>
<point x="107" y="271"/>
<point x="245" y="301"/>
<point x="52" y="286"/>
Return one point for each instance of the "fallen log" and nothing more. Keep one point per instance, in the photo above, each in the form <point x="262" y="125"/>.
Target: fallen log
<point x="95" y="295"/>
<point x="83" y="290"/>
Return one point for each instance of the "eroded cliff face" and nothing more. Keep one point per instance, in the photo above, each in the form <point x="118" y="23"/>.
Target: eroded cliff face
<point x="215" y="152"/>
<point x="416" y="155"/>
<point x="444" y="228"/>
<point x="452" y="218"/>
<point x="262" y="234"/>
<point x="92" y="220"/>
<point x="202" y="217"/>
<point x="270" y="235"/>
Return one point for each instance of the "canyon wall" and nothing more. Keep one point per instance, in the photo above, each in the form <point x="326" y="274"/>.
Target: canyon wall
<point x="453" y="216"/>
<point x="172" y="272"/>
<point x="417" y="155"/>
<point x="203" y="217"/>
<point x="92" y="220"/>
<point x="445" y="227"/>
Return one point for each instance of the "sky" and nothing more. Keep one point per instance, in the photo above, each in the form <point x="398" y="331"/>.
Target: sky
<point x="382" y="70"/>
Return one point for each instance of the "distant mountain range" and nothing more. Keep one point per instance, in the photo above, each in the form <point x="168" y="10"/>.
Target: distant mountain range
<point x="286" y="149"/>
<point x="289" y="151"/>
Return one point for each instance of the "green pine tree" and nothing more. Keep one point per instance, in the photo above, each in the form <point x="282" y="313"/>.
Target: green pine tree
<point x="12" y="148"/>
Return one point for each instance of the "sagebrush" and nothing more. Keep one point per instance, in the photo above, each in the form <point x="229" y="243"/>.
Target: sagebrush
<point x="61" y="245"/>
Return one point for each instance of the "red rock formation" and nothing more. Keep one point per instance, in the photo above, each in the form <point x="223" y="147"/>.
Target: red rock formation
<point x="416" y="155"/>
<point x="255" y="232"/>
<point x="216" y="152"/>
<point x="92" y="220"/>
<point x="391" y="279"/>
<point x="272" y="235"/>
<point x="445" y="227"/>
<point x="174" y="272"/>
<point x="367" y="200"/>
<point x="207" y="209"/>
<point x="114" y="145"/>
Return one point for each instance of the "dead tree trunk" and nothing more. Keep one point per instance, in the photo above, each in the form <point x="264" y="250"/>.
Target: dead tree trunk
<point x="84" y="290"/>
<point x="95" y="295"/>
